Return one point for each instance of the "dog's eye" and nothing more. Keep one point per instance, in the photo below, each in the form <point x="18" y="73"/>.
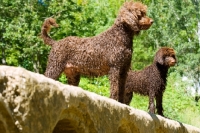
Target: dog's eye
<point x="172" y="56"/>
<point x="143" y="14"/>
<point x="140" y="15"/>
<point x="165" y="57"/>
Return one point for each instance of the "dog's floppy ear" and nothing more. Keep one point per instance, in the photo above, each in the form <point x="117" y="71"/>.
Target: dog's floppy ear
<point x="129" y="15"/>
<point x="159" y="57"/>
<point x="131" y="20"/>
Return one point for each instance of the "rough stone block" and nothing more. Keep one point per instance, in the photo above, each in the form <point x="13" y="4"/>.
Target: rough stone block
<point x="32" y="103"/>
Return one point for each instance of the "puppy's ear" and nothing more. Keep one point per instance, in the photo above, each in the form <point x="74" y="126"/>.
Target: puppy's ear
<point x="159" y="57"/>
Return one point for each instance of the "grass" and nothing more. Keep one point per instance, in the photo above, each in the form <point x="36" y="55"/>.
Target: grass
<point x="190" y="116"/>
<point x="97" y="85"/>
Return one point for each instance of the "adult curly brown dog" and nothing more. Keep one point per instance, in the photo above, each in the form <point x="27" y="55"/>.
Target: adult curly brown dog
<point x="152" y="80"/>
<point x="108" y="53"/>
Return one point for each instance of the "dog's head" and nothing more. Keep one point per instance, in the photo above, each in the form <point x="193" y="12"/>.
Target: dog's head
<point x="165" y="56"/>
<point x="133" y="14"/>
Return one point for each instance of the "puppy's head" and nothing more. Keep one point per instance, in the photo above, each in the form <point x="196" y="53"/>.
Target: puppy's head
<point x="165" y="56"/>
<point x="133" y="14"/>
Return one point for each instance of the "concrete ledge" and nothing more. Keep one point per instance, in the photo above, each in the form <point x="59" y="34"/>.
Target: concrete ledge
<point x="32" y="103"/>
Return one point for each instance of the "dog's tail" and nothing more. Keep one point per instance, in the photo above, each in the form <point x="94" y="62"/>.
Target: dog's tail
<point x="46" y="27"/>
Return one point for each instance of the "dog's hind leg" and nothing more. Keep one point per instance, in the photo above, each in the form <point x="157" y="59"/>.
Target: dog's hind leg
<point x="72" y="75"/>
<point x="54" y="71"/>
<point x="73" y="79"/>
<point x="55" y="66"/>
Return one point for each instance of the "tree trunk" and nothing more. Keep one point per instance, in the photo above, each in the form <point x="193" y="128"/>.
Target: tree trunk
<point x="3" y="60"/>
<point x="36" y="64"/>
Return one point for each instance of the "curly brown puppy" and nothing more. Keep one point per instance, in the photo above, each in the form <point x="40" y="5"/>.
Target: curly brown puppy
<point x="151" y="81"/>
<point x="108" y="53"/>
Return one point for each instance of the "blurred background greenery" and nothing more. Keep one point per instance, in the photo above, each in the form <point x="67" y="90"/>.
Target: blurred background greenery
<point x="175" y="25"/>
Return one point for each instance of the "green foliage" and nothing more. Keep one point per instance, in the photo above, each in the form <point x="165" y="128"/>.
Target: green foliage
<point x="190" y="116"/>
<point x="142" y="104"/>
<point x="63" y="79"/>
<point x="20" y="38"/>
<point x="179" y="104"/>
<point x="97" y="85"/>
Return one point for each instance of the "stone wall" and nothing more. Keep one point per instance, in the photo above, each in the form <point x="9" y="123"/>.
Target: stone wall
<point x="32" y="103"/>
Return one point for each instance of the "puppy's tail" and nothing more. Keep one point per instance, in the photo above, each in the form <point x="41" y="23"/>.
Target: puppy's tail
<point x="46" y="27"/>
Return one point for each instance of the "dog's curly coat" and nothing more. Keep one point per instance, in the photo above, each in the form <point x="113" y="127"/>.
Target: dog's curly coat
<point x="152" y="80"/>
<point x="108" y="53"/>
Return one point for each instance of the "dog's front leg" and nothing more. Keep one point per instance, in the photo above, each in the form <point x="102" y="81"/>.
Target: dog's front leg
<point x="113" y="77"/>
<point x="117" y="84"/>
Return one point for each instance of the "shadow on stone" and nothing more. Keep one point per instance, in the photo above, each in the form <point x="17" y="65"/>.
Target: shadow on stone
<point x="64" y="126"/>
<point x="2" y="128"/>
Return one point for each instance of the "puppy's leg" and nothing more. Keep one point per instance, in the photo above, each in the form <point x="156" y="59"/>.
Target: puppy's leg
<point x="159" y="106"/>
